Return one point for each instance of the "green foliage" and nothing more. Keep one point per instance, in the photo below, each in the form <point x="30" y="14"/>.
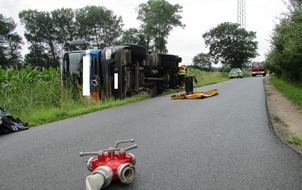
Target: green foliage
<point x="10" y="43"/>
<point x="41" y="36"/>
<point x="29" y="87"/>
<point x="76" y="107"/>
<point x="246" y="73"/>
<point x="158" y="19"/>
<point x="205" y="78"/>
<point x="295" y="140"/>
<point x="226" y="68"/>
<point x="203" y="61"/>
<point x="64" y="33"/>
<point x="285" y="58"/>
<point x="231" y="45"/>
<point x="292" y="91"/>
<point x="49" y="33"/>
<point x="98" y="26"/>
<point x="133" y="36"/>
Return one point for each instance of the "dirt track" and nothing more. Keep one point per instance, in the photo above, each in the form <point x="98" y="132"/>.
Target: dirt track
<point x="286" y="118"/>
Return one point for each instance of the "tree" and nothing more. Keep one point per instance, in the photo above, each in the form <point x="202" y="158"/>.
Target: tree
<point x="230" y="44"/>
<point x="64" y="28"/>
<point x="293" y="5"/>
<point x="40" y="34"/>
<point x="203" y="61"/>
<point x="158" y="18"/>
<point x="285" y="57"/>
<point x="10" y="43"/>
<point x="98" y="26"/>
<point x="49" y="33"/>
<point x="133" y="36"/>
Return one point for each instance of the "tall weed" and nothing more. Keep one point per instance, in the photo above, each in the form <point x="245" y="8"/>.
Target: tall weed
<point x="205" y="78"/>
<point x="30" y="88"/>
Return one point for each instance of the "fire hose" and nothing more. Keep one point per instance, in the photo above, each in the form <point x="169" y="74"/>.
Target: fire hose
<point x="195" y="95"/>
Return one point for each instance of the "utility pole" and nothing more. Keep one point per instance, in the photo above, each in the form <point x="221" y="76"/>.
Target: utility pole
<point x="241" y="15"/>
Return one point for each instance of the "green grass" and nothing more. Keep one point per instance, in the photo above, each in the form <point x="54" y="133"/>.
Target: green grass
<point x="291" y="91"/>
<point x="247" y="74"/>
<point x="203" y="78"/>
<point x="295" y="140"/>
<point x="206" y="78"/>
<point x="46" y="115"/>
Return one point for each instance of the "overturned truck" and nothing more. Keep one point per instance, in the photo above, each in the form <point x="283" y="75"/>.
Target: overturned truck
<point x="120" y="71"/>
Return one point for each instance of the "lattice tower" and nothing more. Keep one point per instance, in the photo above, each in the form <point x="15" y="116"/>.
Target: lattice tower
<point x="241" y="15"/>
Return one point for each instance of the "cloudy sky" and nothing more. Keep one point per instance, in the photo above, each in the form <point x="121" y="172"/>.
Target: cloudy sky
<point x="199" y="16"/>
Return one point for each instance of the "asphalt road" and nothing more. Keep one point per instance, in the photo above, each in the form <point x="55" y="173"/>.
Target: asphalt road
<point x="222" y="142"/>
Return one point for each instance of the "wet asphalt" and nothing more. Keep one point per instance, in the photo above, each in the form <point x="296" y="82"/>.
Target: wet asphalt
<point x="222" y="142"/>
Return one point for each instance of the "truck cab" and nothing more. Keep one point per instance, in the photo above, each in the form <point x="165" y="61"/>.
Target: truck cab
<point x="71" y="67"/>
<point x="258" y="69"/>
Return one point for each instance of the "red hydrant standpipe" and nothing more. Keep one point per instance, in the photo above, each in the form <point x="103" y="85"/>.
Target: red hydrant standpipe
<point x="110" y="164"/>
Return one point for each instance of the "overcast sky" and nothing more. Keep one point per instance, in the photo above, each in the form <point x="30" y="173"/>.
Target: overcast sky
<point x="199" y="16"/>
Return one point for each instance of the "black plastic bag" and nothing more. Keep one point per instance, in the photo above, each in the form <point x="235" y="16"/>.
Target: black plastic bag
<point x="9" y="124"/>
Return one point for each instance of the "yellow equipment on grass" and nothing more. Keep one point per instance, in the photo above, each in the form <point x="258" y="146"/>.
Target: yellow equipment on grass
<point x="195" y="95"/>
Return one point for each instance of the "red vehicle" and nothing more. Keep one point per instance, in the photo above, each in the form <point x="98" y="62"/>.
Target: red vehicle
<point x="258" y="69"/>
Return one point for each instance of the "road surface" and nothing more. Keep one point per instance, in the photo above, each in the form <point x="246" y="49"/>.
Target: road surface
<point x="222" y="142"/>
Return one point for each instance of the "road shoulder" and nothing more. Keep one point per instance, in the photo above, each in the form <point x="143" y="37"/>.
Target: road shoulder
<point x="286" y="118"/>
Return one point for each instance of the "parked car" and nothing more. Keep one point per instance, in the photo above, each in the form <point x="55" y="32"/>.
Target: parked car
<point x="235" y="73"/>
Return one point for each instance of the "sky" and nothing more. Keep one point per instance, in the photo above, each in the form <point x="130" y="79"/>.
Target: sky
<point x="199" y="16"/>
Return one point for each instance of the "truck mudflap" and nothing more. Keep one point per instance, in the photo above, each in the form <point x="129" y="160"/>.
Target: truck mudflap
<point x="195" y="95"/>
<point x="9" y="124"/>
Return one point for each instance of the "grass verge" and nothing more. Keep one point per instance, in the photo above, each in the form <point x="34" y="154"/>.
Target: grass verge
<point x="291" y="91"/>
<point x="45" y="115"/>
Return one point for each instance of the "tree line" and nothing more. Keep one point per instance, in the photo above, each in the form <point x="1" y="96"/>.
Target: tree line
<point x="48" y="34"/>
<point x="285" y="56"/>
